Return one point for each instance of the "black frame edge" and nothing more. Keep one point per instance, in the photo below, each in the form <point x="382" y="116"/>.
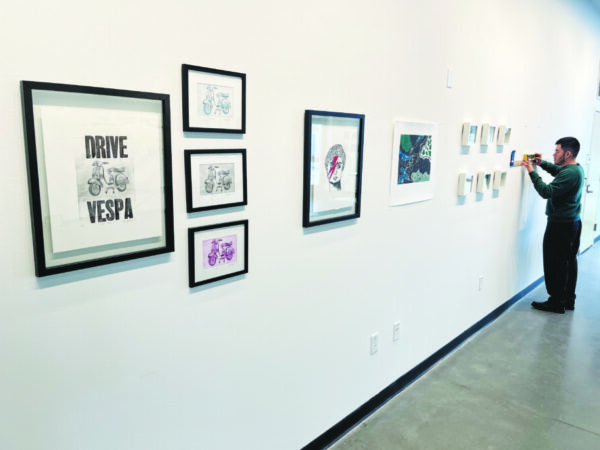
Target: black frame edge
<point x="33" y="181"/>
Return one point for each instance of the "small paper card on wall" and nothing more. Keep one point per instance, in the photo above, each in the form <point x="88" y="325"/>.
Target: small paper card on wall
<point x="413" y="162"/>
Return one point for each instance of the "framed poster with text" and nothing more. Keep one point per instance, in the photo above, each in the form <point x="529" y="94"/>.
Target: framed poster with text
<point x="99" y="175"/>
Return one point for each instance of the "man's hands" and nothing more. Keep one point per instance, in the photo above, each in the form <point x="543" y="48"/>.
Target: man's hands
<point x="529" y="163"/>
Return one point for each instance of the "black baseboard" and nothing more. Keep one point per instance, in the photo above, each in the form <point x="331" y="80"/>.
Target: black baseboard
<point x="354" y="418"/>
<point x="594" y="242"/>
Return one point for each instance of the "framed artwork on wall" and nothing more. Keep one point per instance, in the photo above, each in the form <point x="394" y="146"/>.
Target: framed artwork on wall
<point x="507" y="134"/>
<point x="497" y="183"/>
<point x="216" y="252"/>
<point x="480" y="182"/>
<point x="213" y="100"/>
<point x="333" y="149"/>
<point x="488" y="133"/>
<point x="100" y="181"/>
<point x="469" y="134"/>
<point x="465" y="184"/>
<point x="501" y="131"/>
<point x="491" y="134"/>
<point x="413" y="162"/>
<point x="215" y="179"/>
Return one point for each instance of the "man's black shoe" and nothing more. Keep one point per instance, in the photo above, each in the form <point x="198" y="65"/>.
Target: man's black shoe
<point x="570" y="306"/>
<point x="549" y="307"/>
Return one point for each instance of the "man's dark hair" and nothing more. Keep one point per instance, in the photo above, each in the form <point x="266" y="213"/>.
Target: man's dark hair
<point x="569" y="143"/>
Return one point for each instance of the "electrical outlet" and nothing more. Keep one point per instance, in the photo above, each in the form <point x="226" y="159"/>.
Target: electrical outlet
<point x="374" y="343"/>
<point x="396" y="332"/>
<point x="481" y="283"/>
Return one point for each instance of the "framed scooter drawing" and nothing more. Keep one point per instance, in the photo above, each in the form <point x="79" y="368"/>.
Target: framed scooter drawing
<point x="99" y="175"/>
<point x="333" y="149"/>
<point x="214" y="101"/>
<point x="215" y="179"/>
<point x="216" y="252"/>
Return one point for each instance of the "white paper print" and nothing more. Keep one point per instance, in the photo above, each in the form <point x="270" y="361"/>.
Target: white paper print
<point x="104" y="172"/>
<point x="414" y="152"/>
<point x="218" y="178"/>
<point x="334" y="166"/>
<point x="215" y="101"/>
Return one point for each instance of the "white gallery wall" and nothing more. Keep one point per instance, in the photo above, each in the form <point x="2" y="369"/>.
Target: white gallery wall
<point x="126" y="356"/>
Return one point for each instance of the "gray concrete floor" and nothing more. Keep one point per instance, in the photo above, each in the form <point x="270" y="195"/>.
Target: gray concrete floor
<point x="530" y="380"/>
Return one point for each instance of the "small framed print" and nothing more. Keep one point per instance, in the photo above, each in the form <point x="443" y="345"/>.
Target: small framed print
<point x="488" y="182"/>
<point x="501" y="130"/>
<point x="465" y="184"/>
<point x="333" y="149"/>
<point x="469" y="134"/>
<point x="99" y="175"/>
<point x="480" y="182"/>
<point x="488" y="134"/>
<point x="215" y="179"/>
<point x="217" y="252"/>
<point x="214" y="101"/>
<point x="503" y="135"/>
<point x="485" y="134"/>
<point x="497" y="180"/>
<point x="491" y="134"/>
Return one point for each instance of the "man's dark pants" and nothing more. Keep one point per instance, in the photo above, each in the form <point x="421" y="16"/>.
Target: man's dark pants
<point x="561" y="245"/>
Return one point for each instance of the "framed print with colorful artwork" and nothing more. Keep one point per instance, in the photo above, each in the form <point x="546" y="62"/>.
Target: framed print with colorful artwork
<point x="216" y="252"/>
<point x="215" y="179"/>
<point x="213" y="100"/>
<point x="413" y="162"/>
<point x="333" y="149"/>
<point x="99" y="174"/>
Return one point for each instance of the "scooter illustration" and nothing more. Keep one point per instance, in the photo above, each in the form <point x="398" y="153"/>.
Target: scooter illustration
<point x="217" y="180"/>
<point x="116" y="178"/>
<point x="221" y="104"/>
<point x="224" y="254"/>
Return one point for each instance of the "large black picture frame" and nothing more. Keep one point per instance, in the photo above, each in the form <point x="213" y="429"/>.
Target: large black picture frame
<point x="333" y="153"/>
<point x="100" y="180"/>
<point x="223" y="97"/>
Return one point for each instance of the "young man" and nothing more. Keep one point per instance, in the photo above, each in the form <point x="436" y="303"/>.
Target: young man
<point x="563" y="208"/>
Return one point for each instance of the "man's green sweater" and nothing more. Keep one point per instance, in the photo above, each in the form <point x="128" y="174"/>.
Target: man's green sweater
<point x="563" y="194"/>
